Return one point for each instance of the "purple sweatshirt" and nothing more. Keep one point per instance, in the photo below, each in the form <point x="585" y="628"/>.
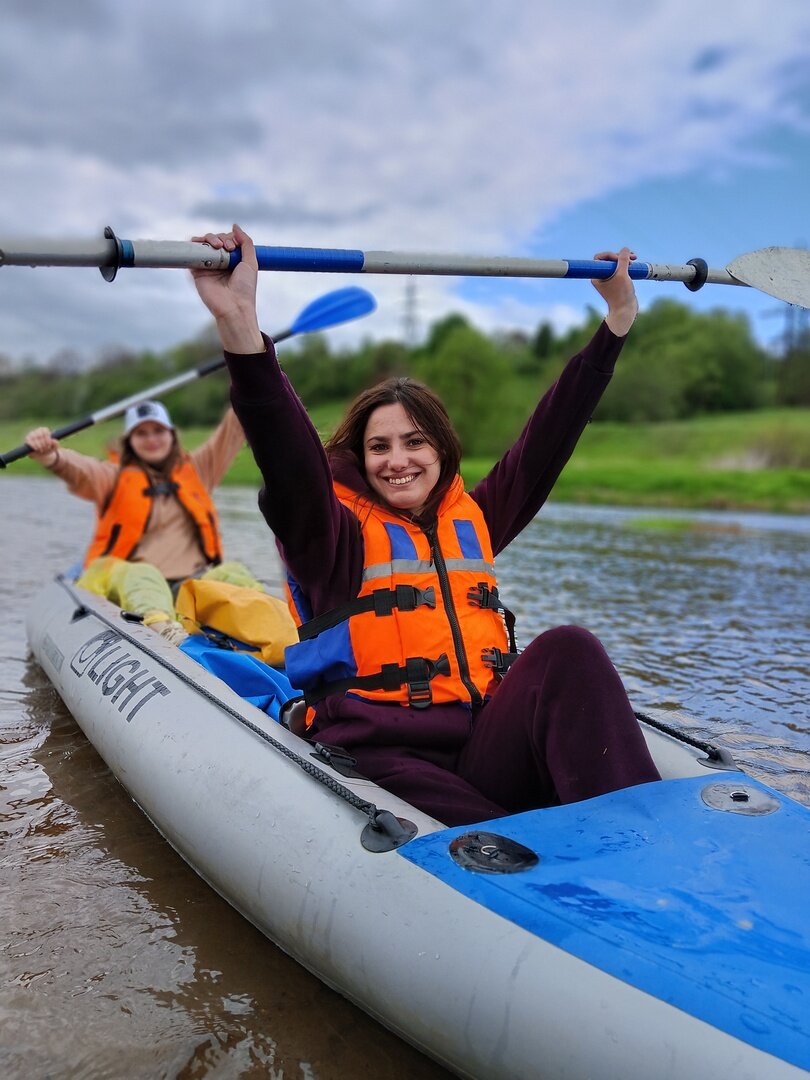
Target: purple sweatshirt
<point x="320" y="541"/>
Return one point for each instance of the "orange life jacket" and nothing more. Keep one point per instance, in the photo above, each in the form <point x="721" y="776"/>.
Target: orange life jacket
<point x="426" y="625"/>
<point x="124" y="519"/>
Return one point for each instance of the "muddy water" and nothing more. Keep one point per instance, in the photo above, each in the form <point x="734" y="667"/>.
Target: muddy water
<point x="117" y="961"/>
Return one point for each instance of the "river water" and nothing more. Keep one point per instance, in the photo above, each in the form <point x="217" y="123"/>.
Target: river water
<point x="117" y="961"/>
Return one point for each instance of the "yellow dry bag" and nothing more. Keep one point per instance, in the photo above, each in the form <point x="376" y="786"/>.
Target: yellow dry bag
<point x="241" y="618"/>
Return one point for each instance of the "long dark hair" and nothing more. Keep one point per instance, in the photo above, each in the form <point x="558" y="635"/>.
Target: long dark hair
<point x="428" y="414"/>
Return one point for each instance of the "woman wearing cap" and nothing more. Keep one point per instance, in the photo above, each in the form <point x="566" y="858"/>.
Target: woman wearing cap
<point x="403" y="650"/>
<point x="157" y="523"/>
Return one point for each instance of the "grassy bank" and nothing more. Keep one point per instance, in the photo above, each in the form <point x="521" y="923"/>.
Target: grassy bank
<point x="753" y="461"/>
<point x="756" y="461"/>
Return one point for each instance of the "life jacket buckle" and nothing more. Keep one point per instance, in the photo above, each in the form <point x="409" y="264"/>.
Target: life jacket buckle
<point x="497" y="660"/>
<point x="162" y="487"/>
<point x="402" y="597"/>
<point x="418" y="673"/>
<point x="427" y="596"/>
<point x="420" y="696"/>
<point x="482" y="596"/>
<point x="408" y="597"/>
<point x="417" y="678"/>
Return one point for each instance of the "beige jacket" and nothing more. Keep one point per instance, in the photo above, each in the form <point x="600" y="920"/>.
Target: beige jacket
<point x="170" y="541"/>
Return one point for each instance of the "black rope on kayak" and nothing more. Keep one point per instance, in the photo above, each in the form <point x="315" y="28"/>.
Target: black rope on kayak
<point x="718" y="756"/>
<point x="384" y="830"/>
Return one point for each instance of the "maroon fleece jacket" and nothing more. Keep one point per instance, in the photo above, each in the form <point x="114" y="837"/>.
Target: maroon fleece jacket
<point x="319" y="539"/>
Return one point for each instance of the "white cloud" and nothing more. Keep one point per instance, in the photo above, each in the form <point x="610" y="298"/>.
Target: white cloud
<point x="445" y="127"/>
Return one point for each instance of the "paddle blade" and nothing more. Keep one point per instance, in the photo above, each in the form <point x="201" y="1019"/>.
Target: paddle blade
<point x="778" y="271"/>
<point x="335" y="307"/>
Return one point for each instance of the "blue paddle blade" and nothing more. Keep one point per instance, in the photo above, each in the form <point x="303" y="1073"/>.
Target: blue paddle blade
<point x="335" y="307"/>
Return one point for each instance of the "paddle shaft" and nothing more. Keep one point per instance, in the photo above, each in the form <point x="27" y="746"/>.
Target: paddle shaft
<point x="112" y="253"/>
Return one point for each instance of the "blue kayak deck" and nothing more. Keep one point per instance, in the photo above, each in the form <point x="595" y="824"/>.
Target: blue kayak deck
<point x="706" y="909"/>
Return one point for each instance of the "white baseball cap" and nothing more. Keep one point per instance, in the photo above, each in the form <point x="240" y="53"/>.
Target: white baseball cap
<point x="146" y="410"/>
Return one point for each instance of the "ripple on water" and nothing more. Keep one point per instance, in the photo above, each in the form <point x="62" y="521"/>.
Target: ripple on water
<point x="713" y="624"/>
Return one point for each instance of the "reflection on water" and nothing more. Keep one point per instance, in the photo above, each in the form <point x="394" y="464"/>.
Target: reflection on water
<point x="118" y="961"/>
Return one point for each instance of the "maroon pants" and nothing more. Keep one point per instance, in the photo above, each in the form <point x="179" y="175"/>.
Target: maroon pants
<point x="559" y="729"/>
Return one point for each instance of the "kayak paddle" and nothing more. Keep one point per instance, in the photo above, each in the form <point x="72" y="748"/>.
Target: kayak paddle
<point x="333" y="308"/>
<point x="780" y="272"/>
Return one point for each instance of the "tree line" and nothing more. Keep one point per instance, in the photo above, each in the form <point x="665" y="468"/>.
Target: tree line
<point x="676" y="363"/>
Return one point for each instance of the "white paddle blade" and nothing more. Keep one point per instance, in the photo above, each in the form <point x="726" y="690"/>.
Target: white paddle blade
<point x="778" y="271"/>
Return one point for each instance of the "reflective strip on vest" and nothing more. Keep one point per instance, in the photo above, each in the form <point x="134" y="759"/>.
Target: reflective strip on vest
<point x="416" y="566"/>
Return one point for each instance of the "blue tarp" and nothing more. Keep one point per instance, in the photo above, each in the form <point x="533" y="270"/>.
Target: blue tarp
<point x="263" y="686"/>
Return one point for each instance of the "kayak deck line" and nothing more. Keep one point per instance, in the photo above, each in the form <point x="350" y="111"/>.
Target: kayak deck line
<point x="384" y="832"/>
<point x="717" y="757"/>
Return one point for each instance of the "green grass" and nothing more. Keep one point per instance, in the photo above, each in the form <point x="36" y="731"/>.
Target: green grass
<point x="682" y="524"/>
<point x="755" y="460"/>
<point x="758" y="460"/>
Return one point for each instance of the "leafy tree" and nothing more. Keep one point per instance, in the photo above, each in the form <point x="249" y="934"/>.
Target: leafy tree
<point x="543" y="341"/>
<point x="678" y="362"/>
<point x="793" y="374"/>
<point x="374" y="362"/>
<point x="468" y="374"/>
<point x="311" y="369"/>
<point x="441" y="329"/>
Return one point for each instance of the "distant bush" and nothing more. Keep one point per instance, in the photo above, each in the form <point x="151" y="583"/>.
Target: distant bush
<point x="678" y="363"/>
<point x="469" y="374"/>
<point x="793" y="374"/>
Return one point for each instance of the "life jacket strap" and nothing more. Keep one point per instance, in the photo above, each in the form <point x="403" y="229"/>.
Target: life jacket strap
<point x="482" y="596"/>
<point x="162" y="487"/>
<point x="222" y="640"/>
<point x="339" y="759"/>
<point x="381" y="601"/>
<point x="416" y="673"/>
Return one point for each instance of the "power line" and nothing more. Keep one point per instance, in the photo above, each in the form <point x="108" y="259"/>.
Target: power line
<point x="410" y="320"/>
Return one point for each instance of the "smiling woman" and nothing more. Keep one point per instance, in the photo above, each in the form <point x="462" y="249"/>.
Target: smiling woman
<point x="151" y="442"/>
<point x="406" y="655"/>
<point x="403" y="435"/>
<point x="156" y="521"/>
<point x="401" y="465"/>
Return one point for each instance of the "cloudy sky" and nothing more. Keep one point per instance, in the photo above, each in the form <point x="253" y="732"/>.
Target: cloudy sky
<point x="519" y="127"/>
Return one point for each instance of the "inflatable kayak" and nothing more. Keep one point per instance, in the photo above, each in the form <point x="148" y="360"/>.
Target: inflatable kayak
<point x="658" y="931"/>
